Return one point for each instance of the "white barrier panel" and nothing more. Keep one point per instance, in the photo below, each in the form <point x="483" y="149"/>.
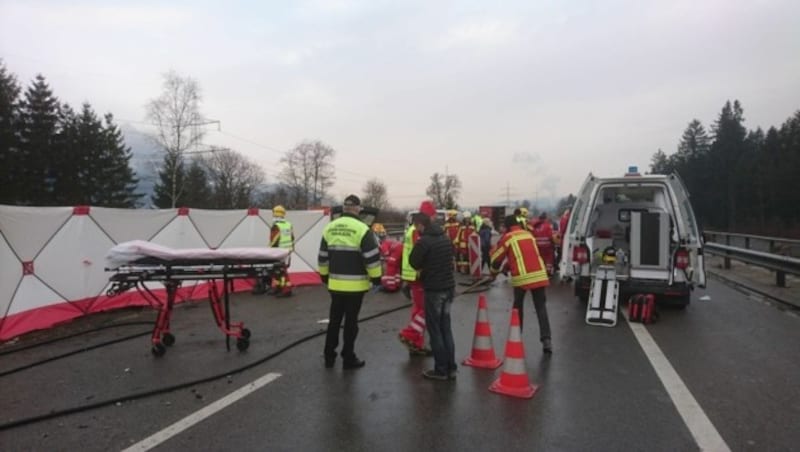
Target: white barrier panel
<point x="52" y="258"/>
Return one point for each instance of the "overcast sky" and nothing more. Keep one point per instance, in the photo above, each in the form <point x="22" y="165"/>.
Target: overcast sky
<point x="532" y="94"/>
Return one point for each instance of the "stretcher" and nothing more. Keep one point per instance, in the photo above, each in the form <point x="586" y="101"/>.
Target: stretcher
<point x="137" y="263"/>
<point x="603" y="298"/>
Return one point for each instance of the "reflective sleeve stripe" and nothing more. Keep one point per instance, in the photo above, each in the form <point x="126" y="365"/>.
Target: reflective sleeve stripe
<point x="348" y="277"/>
<point x="340" y="247"/>
<point x="372" y="252"/>
<point x="323" y="253"/>
<point x="498" y="254"/>
<point x="323" y="270"/>
<point x="373" y="264"/>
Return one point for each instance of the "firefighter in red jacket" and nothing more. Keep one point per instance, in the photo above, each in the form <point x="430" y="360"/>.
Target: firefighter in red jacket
<point x="466" y="229"/>
<point x="392" y="253"/>
<point x="451" y="227"/>
<point x="516" y="252"/>
<point x="545" y="240"/>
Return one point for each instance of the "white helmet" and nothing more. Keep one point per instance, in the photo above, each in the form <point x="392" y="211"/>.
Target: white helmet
<point x="466" y="214"/>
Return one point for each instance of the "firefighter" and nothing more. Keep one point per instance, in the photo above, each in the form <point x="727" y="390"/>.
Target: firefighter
<point x="348" y="261"/>
<point x="413" y="335"/>
<point x="522" y="218"/>
<point x="281" y="235"/>
<point x="462" y="242"/>
<point x="451" y="226"/>
<point x="545" y="240"/>
<point x="516" y="252"/>
<point x="380" y="232"/>
<point x="392" y="254"/>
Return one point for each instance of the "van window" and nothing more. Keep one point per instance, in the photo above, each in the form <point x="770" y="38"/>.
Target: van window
<point x="625" y="195"/>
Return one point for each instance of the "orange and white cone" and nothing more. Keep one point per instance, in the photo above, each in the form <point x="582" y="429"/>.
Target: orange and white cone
<point x="514" y="379"/>
<point x="482" y="349"/>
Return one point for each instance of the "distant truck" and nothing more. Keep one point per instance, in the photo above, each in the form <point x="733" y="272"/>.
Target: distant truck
<point x="495" y="213"/>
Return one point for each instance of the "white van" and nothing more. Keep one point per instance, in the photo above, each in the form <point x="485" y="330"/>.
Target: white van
<point x="642" y="225"/>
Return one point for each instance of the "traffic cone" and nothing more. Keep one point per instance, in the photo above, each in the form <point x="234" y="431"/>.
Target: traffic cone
<point x="482" y="348"/>
<point x="514" y="379"/>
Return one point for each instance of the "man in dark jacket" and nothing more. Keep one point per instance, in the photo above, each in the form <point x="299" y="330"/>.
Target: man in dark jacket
<point x="432" y="255"/>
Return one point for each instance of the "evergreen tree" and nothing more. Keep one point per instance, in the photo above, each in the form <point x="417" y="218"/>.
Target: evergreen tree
<point x="774" y="193"/>
<point x="198" y="192"/>
<point x="9" y="137"/>
<point x="726" y="154"/>
<point x="660" y="164"/>
<point x="691" y="164"/>
<point x="789" y="168"/>
<point x="70" y="153"/>
<point x="115" y="181"/>
<point x="171" y="179"/>
<point x="751" y="181"/>
<point x="39" y="114"/>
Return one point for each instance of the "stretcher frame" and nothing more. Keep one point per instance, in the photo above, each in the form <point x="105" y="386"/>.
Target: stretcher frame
<point x="173" y="273"/>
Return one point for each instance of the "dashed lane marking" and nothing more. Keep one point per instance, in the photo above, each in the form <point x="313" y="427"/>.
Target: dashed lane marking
<point x="705" y="434"/>
<point x="205" y="412"/>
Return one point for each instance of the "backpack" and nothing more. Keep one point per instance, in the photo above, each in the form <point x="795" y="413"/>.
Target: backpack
<point x="642" y="308"/>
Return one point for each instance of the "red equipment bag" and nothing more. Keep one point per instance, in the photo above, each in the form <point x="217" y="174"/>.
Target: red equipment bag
<point x="642" y="308"/>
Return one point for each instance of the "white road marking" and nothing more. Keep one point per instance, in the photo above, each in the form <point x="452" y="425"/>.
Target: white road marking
<point x="705" y="434"/>
<point x="198" y="416"/>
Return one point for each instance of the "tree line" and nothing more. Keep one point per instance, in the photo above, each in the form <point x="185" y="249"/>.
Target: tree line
<point x="738" y="179"/>
<point x="52" y="155"/>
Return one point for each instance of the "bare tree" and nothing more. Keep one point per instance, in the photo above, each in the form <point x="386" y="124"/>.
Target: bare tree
<point x="375" y="194"/>
<point x="277" y="194"/>
<point x="177" y="116"/>
<point x="234" y="179"/>
<point x="308" y="172"/>
<point x="444" y="190"/>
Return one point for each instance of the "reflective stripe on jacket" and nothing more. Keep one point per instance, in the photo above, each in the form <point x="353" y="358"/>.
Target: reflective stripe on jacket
<point x="349" y="255"/>
<point x="407" y="271"/>
<point x="282" y="234"/>
<point x="518" y="248"/>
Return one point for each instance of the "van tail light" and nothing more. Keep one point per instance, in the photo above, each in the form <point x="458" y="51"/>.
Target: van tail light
<point x="580" y="254"/>
<point x="681" y="259"/>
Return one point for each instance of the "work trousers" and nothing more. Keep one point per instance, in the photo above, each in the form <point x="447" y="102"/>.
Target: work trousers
<point x="539" y="302"/>
<point x="344" y="305"/>
<point x="414" y="332"/>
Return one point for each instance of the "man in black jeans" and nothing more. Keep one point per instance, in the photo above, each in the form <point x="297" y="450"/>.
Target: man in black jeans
<point x="348" y="261"/>
<point x="432" y="255"/>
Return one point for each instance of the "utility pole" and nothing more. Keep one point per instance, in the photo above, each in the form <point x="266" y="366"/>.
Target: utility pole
<point x="508" y="194"/>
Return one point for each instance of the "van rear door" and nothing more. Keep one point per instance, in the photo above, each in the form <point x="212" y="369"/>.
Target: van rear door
<point x="575" y="234"/>
<point x="689" y="233"/>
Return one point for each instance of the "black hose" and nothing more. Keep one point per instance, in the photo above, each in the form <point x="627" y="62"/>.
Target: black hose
<point x="140" y="395"/>
<point x="74" y="352"/>
<point x="58" y="339"/>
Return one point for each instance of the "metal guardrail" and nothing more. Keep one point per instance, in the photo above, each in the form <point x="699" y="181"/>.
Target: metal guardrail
<point x="781" y="265"/>
<point x="775" y="245"/>
<point x="394" y="229"/>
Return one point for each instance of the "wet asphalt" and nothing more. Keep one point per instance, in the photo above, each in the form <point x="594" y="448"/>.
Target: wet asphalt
<point x="598" y="391"/>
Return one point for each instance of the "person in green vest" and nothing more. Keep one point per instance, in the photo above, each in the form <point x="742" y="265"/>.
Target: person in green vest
<point x="281" y="235"/>
<point x="349" y="260"/>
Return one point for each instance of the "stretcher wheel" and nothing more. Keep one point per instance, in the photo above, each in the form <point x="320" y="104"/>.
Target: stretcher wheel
<point x="168" y="339"/>
<point x="159" y="350"/>
<point x="245" y="333"/>
<point x="242" y="343"/>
